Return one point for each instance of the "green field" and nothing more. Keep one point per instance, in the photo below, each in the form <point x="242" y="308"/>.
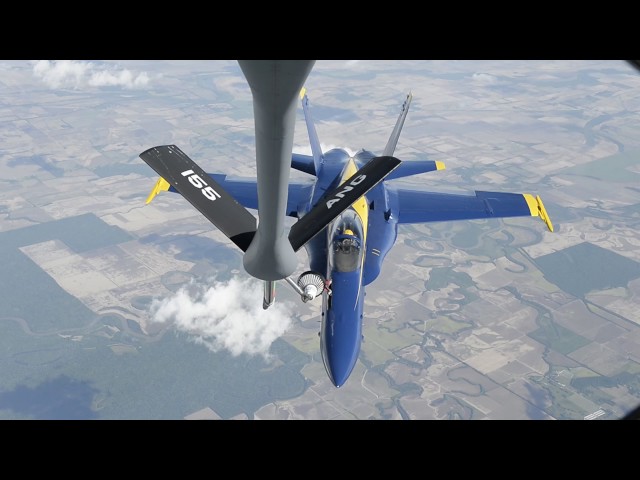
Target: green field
<point x="556" y="337"/>
<point x="586" y="267"/>
<point x="610" y="169"/>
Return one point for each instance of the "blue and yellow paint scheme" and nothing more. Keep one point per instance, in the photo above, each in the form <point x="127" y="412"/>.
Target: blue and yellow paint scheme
<point x="350" y="250"/>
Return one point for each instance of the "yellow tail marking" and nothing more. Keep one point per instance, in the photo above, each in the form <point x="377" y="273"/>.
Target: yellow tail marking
<point x="536" y="207"/>
<point x="302" y="92"/>
<point x="440" y="165"/>
<point x="161" y="185"/>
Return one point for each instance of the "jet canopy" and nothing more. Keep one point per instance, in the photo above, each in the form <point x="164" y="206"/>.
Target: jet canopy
<point x="346" y="252"/>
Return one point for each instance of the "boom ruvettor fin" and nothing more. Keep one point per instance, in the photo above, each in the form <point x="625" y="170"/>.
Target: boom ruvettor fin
<point x="339" y="199"/>
<point x="203" y="192"/>
<point x="161" y="185"/>
<point x="537" y="209"/>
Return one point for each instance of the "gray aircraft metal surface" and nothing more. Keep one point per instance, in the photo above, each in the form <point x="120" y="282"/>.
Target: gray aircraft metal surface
<point x="275" y="85"/>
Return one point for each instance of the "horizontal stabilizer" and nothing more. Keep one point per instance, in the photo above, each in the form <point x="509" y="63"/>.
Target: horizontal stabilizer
<point x="203" y="192"/>
<point x="303" y="163"/>
<point x="339" y="199"/>
<point x="406" y="169"/>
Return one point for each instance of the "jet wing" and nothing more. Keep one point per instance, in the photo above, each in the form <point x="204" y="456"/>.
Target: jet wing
<point x="245" y="191"/>
<point x="416" y="206"/>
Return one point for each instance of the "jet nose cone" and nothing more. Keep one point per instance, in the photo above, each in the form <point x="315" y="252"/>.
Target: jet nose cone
<point x="340" y="347"/>
<point x="341" y="332"/>
<point x="339" y="374"/>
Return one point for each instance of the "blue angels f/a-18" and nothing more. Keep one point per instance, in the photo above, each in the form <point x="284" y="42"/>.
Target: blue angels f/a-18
<point x="348" y="215"/>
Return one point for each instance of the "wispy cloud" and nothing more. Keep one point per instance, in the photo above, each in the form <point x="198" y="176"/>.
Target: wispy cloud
<point x="226" y="316"/>
<point x="78" y="74"/>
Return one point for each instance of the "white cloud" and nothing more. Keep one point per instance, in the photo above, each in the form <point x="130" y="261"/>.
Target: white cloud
<point x="78" y="74"/>
<point x="226" y="315"/>
<point x="123" y="77"/>
<point x="484" y="78"/>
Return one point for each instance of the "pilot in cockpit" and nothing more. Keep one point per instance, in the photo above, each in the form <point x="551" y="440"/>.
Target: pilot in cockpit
<point x="348" y="244"/>
<point x="347" y="251"/>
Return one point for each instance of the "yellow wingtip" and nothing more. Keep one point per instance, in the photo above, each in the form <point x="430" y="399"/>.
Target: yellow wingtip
<point x="160" y="185"/>
<point x="303" y="91"/>
<point x="440" y="165"/>
<point x="543" y="214"/>
<point x="536" y="207"/>
<point x="532" y="203"/>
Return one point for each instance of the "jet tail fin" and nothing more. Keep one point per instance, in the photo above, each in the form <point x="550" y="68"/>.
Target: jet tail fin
<point x="203" y="192"/>
<point x="316" y="150"/>
<point x="339" y="199"/>
<point x="395" y="134"/>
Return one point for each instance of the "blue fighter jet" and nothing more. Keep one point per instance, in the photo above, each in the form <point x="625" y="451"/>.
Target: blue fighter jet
<point x="348" y="215"/>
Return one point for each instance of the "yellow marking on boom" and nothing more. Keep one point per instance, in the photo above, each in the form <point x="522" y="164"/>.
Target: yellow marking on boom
<point x="536" y="207"/>
<point x="302" y="92"/>
<point x="440" y="165"/>
<point x="161" y="185"/>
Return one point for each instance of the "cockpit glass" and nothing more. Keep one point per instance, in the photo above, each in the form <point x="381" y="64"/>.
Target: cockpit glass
<point x="346" y="239"/>
<point x="346" y="253"/>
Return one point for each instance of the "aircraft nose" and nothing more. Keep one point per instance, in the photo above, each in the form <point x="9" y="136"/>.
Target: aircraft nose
<point x="340" y="345"/>
<point x="339" y="373"/>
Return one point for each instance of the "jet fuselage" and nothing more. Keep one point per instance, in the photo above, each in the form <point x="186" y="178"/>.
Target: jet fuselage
<point x="348" y="258"/>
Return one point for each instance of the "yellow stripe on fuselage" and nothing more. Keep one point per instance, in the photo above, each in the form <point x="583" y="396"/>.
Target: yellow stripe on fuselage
<point x="360" y="205"/>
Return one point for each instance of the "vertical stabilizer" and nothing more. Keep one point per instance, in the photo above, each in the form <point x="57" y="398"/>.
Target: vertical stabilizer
<point x="393" y="139"/>
<point x="316" y="151"/>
